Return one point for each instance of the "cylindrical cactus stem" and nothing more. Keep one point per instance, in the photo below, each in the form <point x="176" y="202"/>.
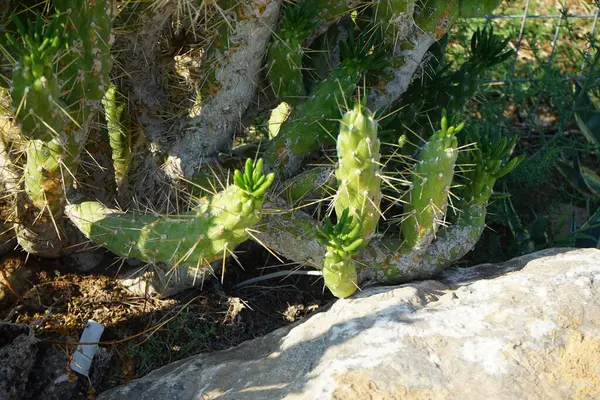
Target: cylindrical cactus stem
<point x="428" y="197"/>
<point x="310" y="125"/>
<point x="86" y="61"/>
<point x="49" y="171"/>
<point x="118" y="124"/>
<point x="58" y="80"/>
<point x="341" y="241"/>
<point x="315" y="183"/>
<point x="284" y="58"/>
<point x="204" y="234"/>
<point x="35" y="88"/>
<point x="357" y="172"/>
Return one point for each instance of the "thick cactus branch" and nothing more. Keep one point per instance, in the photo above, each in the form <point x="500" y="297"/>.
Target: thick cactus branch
<point x="196" y="238"/>
<point x="341" y="241"/>
<point x="237" y="74"/>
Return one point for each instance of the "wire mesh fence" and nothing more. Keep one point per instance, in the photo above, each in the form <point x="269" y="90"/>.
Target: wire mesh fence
<point x="557" y="35"/>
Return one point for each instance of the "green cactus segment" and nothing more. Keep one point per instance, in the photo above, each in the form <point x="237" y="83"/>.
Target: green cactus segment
<point x="117" y="121"/>
<point x="432" y="177"/>
<point x="342" y="242"/>
<point x="437" y="16"/>
<point x="284" y="58"/>
<point x="477" y="8"/>
<point x="86" y="60"/>
<point x="486" y="164"/>
<point x="311" y="124"/>
<point x="316" y="183"/>
<point x="200" y="236"/>
<point x="61" y="71"/>
<point x="357" y="173"/>
<point x="35" y="87"/>
<point x="48" y="171"/>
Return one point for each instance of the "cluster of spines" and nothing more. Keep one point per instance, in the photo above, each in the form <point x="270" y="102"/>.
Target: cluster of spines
<point x="431" y="180"/>
<point x="204" y="234"/>
<point x="341" y="241"/>
<point x="358" y="169"/>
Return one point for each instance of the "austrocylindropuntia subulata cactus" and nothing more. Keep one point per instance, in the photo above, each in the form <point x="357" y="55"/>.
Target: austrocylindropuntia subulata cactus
<point x="388" y="192"/>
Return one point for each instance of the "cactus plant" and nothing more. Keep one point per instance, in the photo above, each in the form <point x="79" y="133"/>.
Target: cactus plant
<point x="244" y="57"/>
<point x="196" y="238"/>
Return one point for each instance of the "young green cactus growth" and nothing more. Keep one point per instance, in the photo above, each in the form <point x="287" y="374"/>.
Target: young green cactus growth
<point x="284" y="58"/>
<point x="342" y="242"/>
<point x="118" y="124"/>
<point x="35" y="89"/>
<point x="200" y="236"/>
<point x="357" y="172"/>
<point x="432" y="177"/>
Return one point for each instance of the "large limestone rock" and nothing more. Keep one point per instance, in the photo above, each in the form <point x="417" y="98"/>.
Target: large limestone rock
<point x="525" y="329"/>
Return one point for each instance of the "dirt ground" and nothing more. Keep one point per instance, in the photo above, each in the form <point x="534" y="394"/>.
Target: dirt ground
<point x="142" y="334"/>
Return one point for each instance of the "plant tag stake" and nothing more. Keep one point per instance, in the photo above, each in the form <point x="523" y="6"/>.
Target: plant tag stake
<point x="83" y="356"/>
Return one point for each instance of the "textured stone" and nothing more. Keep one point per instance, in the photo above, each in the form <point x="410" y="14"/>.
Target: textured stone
<point x="528" y="328"/>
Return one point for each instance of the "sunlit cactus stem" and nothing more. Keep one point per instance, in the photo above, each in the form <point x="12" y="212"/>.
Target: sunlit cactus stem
<point x="428" y="197"/>
<point x="319" y="114"/>
<point x="206" y="233"/>
<point x="358" y="172"/>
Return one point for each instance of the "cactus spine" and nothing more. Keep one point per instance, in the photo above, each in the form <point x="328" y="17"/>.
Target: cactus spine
<point x="195" y="238"/>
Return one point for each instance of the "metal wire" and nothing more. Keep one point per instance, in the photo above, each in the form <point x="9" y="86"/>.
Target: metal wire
<point x="562" y="18"/>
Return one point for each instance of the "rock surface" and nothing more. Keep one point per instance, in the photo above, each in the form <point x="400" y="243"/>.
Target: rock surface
<point x="528" y="328"/>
